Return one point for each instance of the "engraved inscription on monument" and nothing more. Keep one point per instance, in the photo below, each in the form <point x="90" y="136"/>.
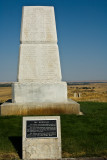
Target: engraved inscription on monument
<point x="41" y="129"/>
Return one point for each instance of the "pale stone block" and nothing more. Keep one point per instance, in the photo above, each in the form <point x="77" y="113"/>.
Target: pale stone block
<point x="79" y="95"/>
<point x="41" y="148"/>
<point x="69" y="107"/>
<point x="75" y="95"/>
<point x="39" y="62"/>
<point x="38" y="25"/>
<point x="39" y="92"/>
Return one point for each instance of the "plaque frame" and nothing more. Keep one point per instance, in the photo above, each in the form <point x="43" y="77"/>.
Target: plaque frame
<point x="42" y="137"/>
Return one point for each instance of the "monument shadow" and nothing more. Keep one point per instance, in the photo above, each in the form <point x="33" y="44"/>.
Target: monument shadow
<point x="17" y="143"/>
<point x="9" y="101"/>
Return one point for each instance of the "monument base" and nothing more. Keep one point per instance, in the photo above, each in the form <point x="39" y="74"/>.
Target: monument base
<point x="36" y="92"/>
<point x="70" y="107"/>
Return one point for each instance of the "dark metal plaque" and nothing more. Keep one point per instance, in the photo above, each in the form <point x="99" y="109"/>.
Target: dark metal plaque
<point x="41" y="129"/>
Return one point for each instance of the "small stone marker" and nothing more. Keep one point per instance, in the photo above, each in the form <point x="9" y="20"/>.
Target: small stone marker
<point x="41" y="137"/>
<point x="79" y="95"/>
<point x="75" y="94"/>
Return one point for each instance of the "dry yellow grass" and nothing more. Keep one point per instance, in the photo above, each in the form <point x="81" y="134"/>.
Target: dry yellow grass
<point x="8" y="156"/>
<point x="89" y="92"/>
<point x="5" y="94"/>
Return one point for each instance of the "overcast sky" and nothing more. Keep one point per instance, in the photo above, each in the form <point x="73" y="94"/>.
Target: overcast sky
<point x="82" y="37"/>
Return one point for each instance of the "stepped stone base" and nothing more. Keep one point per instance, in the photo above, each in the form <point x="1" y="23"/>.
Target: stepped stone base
<point x="70" y="107"/>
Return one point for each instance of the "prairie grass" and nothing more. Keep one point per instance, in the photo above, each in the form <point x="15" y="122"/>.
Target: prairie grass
<point x="9" y="156"/>
<point x="5" y="94"/>
<point x="96" y="92"/>
<point x="85" y="135"/>
<point x="82" y="136"/>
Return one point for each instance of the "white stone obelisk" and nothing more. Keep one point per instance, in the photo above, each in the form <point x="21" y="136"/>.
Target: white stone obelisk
<point x="39" y="85"/>
<point x="39" y="72"/>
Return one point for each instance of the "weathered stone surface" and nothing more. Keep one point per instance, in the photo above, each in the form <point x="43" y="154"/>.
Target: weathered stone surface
<point x="69" y="107"/>
<point x="39" y="92"/>
<point x="84" y="158"/>
<point x="75" y="95"/>
<point x="39" y="72"/>
<point x="39" y="62"/>
<point x="38" y="25"/>
<point x="41" y="148"/>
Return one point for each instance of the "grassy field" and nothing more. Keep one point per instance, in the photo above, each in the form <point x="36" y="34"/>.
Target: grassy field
<point x="82" y="136"/>
<point x="96" y="92"/>
<point x="5" y="94"/>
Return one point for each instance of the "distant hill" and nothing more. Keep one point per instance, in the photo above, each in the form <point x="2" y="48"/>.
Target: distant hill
<point x="5" y="84"/>
<point x="9" y="84"/>
<point x="84" y="82"/>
